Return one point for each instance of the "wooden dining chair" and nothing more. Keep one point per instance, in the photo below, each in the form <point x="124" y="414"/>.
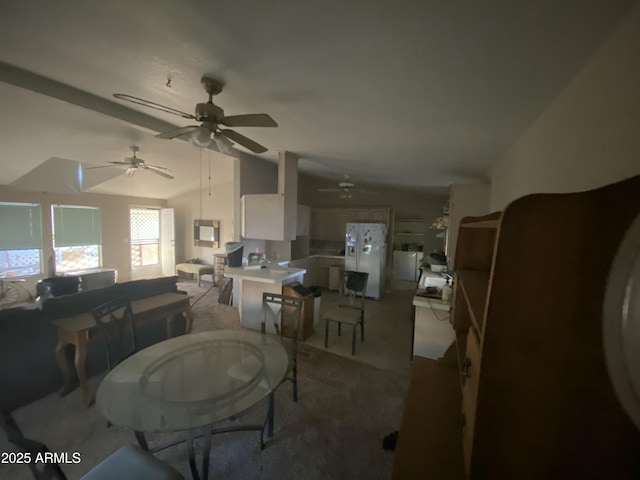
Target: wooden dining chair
<point x="117" y="329"/>
<point x="281" y="315"/>
<point x="350" y="310"/>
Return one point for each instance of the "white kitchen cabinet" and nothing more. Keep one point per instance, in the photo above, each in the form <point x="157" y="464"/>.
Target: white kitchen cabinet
<point x="262" y="217"/>
<point x="273" y="216"/>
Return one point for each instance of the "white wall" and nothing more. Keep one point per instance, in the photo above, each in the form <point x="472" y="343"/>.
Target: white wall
<point x="590" y="134"/>
<point x="198" y="204"/>
<point x="114" y="212"/>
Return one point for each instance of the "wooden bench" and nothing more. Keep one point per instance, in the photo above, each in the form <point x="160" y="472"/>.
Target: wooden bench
<point x="197" y="269"/>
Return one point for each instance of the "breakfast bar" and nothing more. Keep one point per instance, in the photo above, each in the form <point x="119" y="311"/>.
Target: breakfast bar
<point x="250" y="283"/>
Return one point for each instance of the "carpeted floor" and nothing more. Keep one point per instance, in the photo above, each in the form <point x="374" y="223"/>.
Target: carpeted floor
<point x="334" y="431"/>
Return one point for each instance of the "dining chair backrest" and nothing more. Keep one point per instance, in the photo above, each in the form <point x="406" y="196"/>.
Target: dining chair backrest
<point x="281" y="314"/>
<point x="116" y="326"/>
<point x="354" y="287"/>
<point x="41" y="470"/>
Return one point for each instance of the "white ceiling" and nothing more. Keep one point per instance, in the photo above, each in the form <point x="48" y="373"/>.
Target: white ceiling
<point x="413" y="93"/>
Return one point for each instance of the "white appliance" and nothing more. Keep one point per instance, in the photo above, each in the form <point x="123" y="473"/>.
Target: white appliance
<point x="366" y="251"/>
<point x="406" y="265"/>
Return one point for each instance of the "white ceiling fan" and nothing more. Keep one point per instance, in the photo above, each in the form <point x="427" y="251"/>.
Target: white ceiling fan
<point x="211" y="117"/>
<point x="134" y="163"/>
<point x="346" y="189"/>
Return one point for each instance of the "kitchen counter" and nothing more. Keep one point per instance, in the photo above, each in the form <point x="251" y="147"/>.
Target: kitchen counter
<point x="432" y="330"/>
<point x="250" y="284"/>
<point x="321" y="255"/>
<point x="271" y="274"/>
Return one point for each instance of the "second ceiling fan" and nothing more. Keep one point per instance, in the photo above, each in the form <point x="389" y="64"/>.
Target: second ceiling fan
<point x="211" y="117"/>
<point x="346" y="189"/>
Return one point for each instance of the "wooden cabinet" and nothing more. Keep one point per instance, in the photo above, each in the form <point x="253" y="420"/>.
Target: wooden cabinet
<point x="303" y="220"/>
<point x="536" y="399"/>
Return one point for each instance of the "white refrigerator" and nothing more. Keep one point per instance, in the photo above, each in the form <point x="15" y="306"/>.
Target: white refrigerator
<point x="366" y="251"/>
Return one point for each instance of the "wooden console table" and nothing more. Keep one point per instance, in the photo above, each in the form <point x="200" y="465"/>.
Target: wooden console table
<point x="78" y="329"/>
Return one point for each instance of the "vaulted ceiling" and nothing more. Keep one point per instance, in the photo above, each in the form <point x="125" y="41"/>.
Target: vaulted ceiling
<point x="413" y="93"/>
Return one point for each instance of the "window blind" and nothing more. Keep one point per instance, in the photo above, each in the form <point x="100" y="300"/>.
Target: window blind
<point x="20" y="226"/>
<point x="76" y="226"/>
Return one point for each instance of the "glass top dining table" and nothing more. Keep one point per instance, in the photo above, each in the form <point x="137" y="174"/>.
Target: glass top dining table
<point x="192" y="381"/>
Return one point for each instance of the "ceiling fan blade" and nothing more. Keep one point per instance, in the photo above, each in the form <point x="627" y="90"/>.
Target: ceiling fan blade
<point x="120" y="163"/>
<point x="330" y="190"/>
<point x="158" y="167"/>
<point x="365" y="192"/>
<point x="177" y="132"/>
<point x="159" y="172"/>
<point x="157" y="106"/>
<point x="244" y="141"/>
<point x="249" y="120"/>
<point x="100" y="166"/>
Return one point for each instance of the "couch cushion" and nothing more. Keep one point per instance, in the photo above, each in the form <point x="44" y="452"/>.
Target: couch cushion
<point x="137" y="289"/>
<point x="81" y="302"/>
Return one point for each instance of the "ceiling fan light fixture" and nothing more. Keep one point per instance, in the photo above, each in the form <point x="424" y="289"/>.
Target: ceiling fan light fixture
<point x="223" y="143"/>
<point x="201" y="137"/>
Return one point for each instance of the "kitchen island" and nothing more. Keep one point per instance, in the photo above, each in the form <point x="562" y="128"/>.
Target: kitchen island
<point x="250" y="284"/>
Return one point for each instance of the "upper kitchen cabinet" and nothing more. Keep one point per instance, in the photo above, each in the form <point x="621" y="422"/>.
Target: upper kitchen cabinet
<point x="263" y="217"/>
<point x="274" y="216"/>
<point x="303" y="224"/>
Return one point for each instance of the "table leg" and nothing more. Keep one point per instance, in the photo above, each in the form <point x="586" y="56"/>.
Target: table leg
<point x="192" y="456"/>
<point x="63" y="363"/>
<point x="188" y="319"/>
<point x="169" y="329"/>
<point x="79" y="361"/>
<point x="205" y="454"/>
<point x="142" y="441"/>
<point x="271" y="414"/>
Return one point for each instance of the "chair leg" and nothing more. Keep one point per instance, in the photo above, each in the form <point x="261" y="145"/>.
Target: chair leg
<point x="353" y="340"/>
<point x="339" y="328"/>
<point x="326" y="333"/>
<point x="362" y="331"/>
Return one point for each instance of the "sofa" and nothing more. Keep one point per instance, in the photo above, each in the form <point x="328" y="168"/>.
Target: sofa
<point x="28" y="366"/>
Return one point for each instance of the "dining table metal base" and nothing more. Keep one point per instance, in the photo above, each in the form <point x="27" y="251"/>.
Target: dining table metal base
<point x="191" y="438"/>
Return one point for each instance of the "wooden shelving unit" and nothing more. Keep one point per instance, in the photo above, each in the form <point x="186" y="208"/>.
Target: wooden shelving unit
<point x="536" y="399"/>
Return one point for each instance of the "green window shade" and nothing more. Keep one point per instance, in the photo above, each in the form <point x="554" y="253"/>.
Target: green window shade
<point x="76" y="226"/>
<point x="20" y="226"/>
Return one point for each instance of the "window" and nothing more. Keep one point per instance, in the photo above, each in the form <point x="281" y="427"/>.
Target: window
<point x="77" y="237"/>
<point x="20" y="239"/>
<point x="145" y="236"/>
